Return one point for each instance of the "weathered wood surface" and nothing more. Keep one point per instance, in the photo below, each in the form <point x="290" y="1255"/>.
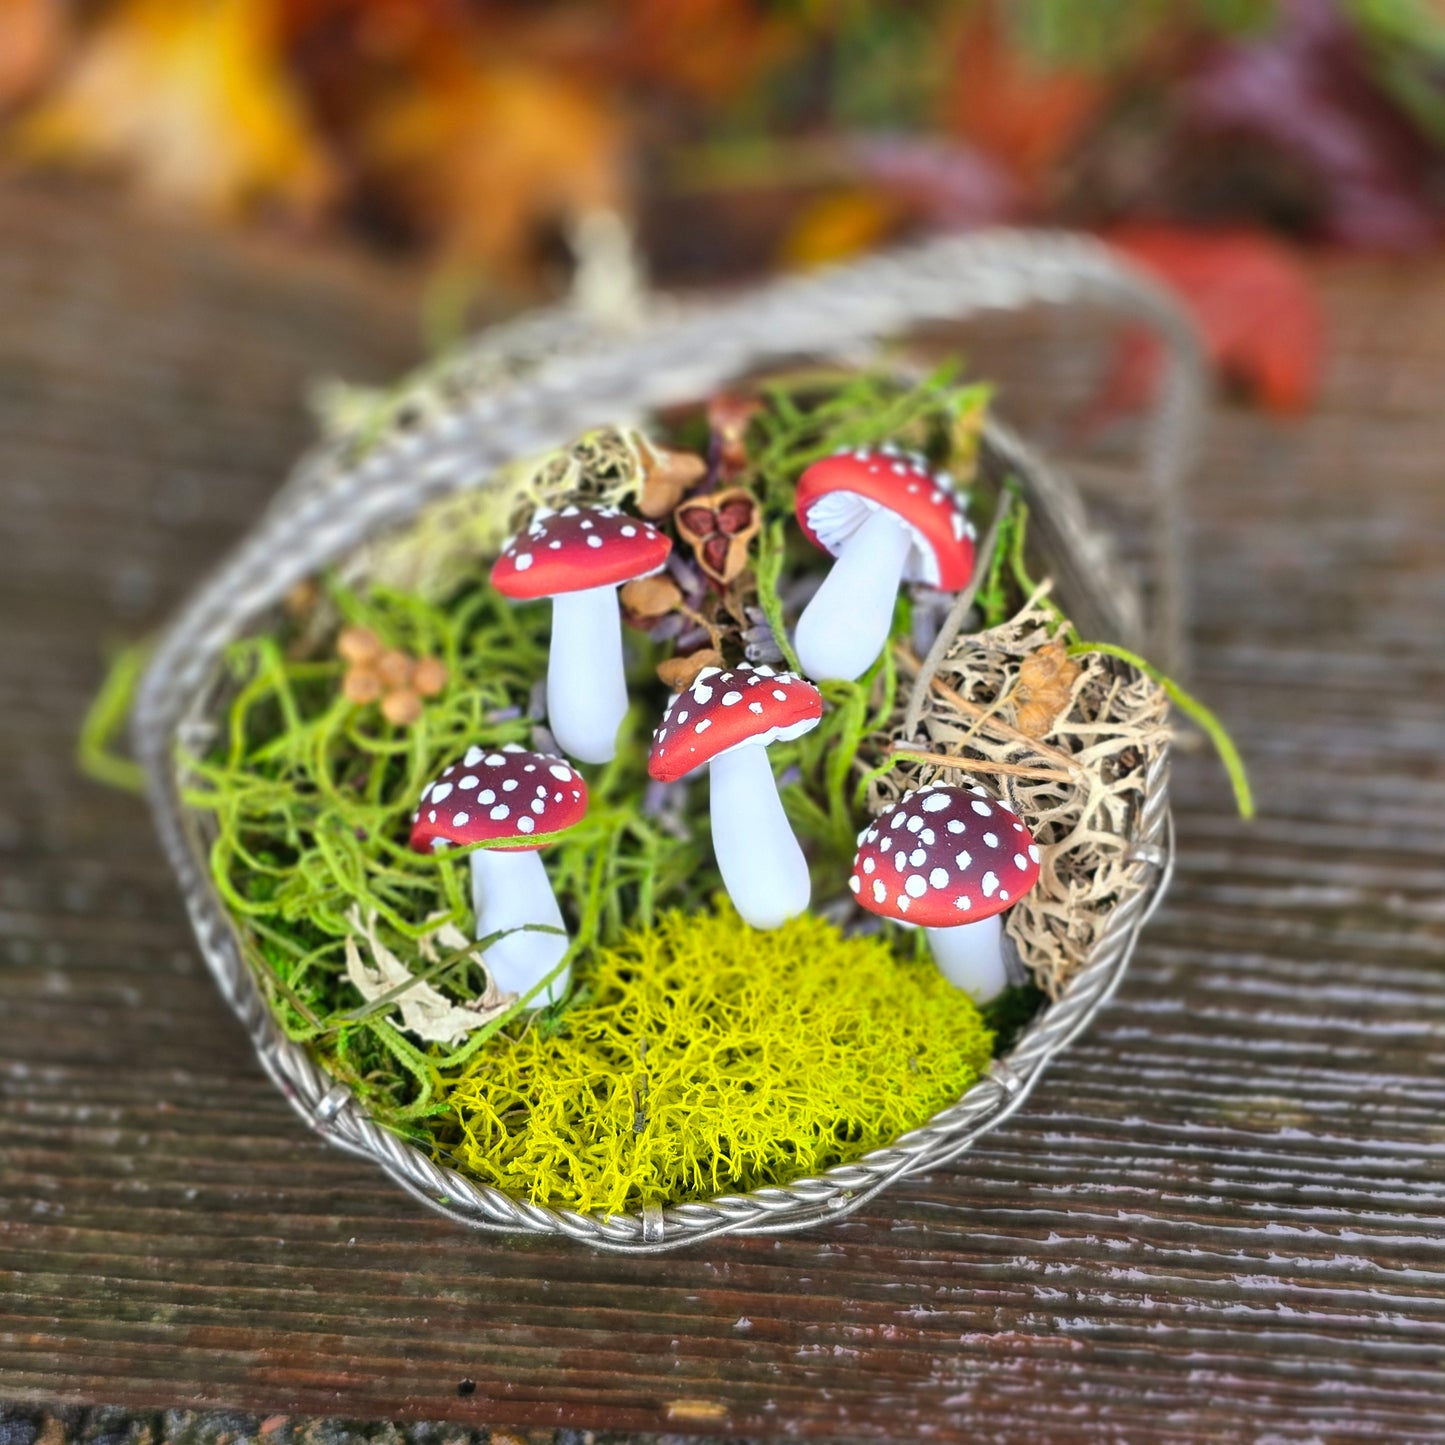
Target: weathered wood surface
<point x="1221" y="1217"/>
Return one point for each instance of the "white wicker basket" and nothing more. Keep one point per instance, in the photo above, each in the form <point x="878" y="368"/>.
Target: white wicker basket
<point x="535" y="384"/>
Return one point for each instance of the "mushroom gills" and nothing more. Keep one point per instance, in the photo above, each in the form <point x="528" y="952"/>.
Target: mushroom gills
<point x="586" y="684"/>
<point x="970" y="956"/>
<point x="510" y="889"/>
<point x="845" y="626"/>
<point x="759" y="858"/>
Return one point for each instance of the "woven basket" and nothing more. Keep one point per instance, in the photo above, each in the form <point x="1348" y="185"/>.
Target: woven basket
<point x="534" y="385"/>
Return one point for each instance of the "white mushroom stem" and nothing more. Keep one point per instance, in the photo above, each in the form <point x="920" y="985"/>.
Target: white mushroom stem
<point x="586" y="685"/>
<point x="970" y="956"/>
<point x="845" y="626"/>
<point x="509" y="890"/>
<point x="759" y="858"/>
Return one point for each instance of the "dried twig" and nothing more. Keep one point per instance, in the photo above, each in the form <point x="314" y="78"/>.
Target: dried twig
<point x="981" y="765"/>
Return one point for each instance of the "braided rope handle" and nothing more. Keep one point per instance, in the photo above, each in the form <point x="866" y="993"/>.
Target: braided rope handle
<point x="565" y="377"/>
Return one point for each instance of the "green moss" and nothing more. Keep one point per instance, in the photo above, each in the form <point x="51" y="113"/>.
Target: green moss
<point x="781" y="1057"/>
<point x="708" y="1057"/>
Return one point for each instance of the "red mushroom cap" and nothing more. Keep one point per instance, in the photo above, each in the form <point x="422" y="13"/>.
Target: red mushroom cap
<point x="499" y="794"/>
<point x="836" y="494"/>
<point x="944" y="856"/>
<point x="725" y="708"/>
<point x="577" y="548"/>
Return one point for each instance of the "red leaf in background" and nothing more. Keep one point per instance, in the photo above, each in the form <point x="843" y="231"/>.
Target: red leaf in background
<point x="1012" y="108"/>
<point x="1255" y="308"/>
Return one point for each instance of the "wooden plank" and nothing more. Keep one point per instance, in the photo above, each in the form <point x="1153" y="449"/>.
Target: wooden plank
<point x="1219" y="1218"/>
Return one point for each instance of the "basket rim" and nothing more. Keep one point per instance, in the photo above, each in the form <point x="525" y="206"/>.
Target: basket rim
<point x="333" y="505"/>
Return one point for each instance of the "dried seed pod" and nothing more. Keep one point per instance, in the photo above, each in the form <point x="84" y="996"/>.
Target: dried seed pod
<point x="719" y="529"/>
<point x="402" y="707"/>
<point x="649" y="598"/>
<point x="361" y="686"/>
<point x="668" y="476"/>
<point x="394" y="668"/>
<point x="681" y="672"/>
<point x="357" y="644"/>
<point x="429" y="676"/>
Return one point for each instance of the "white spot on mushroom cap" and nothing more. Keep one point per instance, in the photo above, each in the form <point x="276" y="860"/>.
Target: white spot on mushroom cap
<point x="936" y="802"/>
<point x="991" y="839"/>
<point x="855" y="883"/>
<point x="522" y="561"/>
<point x="1034" y="852"/>
<point x="473" y="757"/>
<point x="460" y="820"/>
<point x="525" y="824"/>
<point x="939" y="877"/>
<point x="880" y="891"/>
<point x="982" y="809"/>
<point x="989" y="884"/>
<point x="499" y="812"/>
<point x="915" y="885"/>
<point x="561" y="772"/>
<point x="440" y="792"/>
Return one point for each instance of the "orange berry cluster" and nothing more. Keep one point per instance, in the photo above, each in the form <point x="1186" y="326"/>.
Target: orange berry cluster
<point x="395" y="679"/>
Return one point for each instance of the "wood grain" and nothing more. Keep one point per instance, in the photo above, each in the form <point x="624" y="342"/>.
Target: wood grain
<point x="1219" y="1218"/>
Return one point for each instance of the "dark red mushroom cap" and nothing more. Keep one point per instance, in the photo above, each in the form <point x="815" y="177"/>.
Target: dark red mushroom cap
<point x="836" y="494"/>
<point x="944" y="856"/>
<point x="725" y="708"/>
<point x="499" y="794"/>
<point x="577" y="548"/>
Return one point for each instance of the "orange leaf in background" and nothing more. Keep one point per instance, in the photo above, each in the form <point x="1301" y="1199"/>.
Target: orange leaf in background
<point x="1009" y="106"/>
<point x="838" y="225"/>
<point x="490" y="156"/>
<point x="189" y="96"/>
<point x="32" y="33"/>
<point x="1255" y="308"/>
<point x="713" y="49"/>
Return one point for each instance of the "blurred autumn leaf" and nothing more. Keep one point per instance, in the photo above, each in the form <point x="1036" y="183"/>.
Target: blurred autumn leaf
<point x="486" y="134"/>
<point x="189" y="100"/>
<point x="1254" y="306"/>
<point x="33" y="35"/>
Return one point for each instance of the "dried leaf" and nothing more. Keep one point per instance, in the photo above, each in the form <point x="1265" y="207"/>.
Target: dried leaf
<point x="728" y="416"/>
<point x="1044" y="689"/>
<point x="669" y="474"/>
<point x="681" y="672"/>
<point x="648" y="598"/>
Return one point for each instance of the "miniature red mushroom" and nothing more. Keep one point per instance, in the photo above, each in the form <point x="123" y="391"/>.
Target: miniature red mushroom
<point x="950" y="860"/>
<point x="579" y="557"/>
<point x="727" y="719"/>
<point x="887" y="519"/>
<point x="519" y="801"/>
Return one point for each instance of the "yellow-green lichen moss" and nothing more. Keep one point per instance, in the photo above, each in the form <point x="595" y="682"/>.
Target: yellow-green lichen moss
<point x="707" y="1057"/>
